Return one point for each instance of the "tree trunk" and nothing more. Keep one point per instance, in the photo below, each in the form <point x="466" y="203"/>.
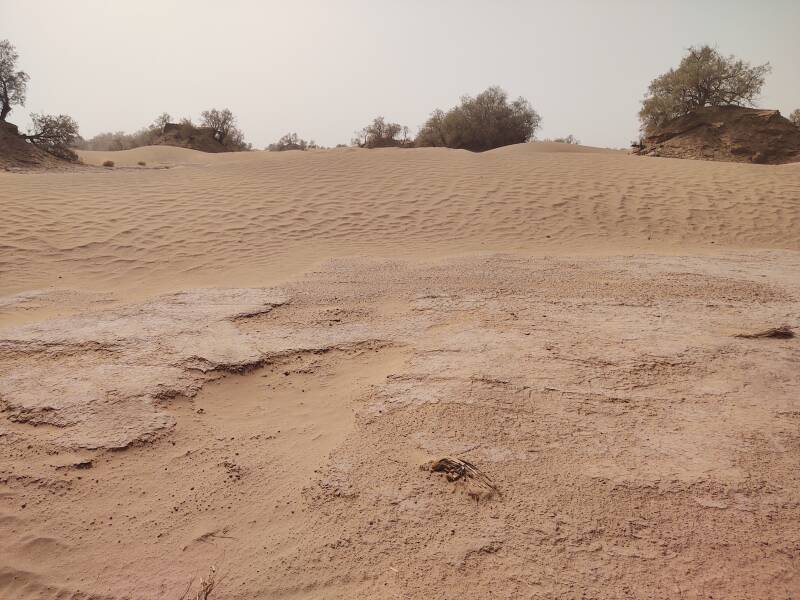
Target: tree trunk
<point x="4" y="111"/>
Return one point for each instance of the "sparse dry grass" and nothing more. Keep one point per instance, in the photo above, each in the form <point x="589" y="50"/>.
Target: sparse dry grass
<point x="207" y="585"/>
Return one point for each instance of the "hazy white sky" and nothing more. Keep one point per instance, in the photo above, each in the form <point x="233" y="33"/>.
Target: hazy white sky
<point x="325" y="68"/>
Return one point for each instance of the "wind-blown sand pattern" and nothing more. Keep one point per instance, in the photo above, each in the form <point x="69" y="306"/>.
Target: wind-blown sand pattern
<point x="244" y="360"/>
<point x="228" y="218"/>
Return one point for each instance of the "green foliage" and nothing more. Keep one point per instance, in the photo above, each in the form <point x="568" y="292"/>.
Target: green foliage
<point x="13" y="83"/>
<point x="54" y="134"/>
<point x="481" y="123"/>
<point x="225" y="130"/>
<point x="570" y="139"/>
<point x="119" y="140"/>
<point x="380" y="134"/>
<point x="146" y="136"/>
<point x="291" y="141"/>
<point x="703" y="78"/>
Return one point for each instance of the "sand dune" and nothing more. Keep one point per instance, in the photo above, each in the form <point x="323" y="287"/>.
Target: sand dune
<point x="256" y="216"/>
<point x="550" y="147"/>
<point x="160" y="156"/>
<point x="250" y="361"/>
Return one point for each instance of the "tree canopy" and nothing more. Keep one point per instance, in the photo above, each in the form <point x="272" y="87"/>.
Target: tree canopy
<point x="380" y="134"/>
<point x="54" y="134"/>
<point x="291" y="141"/>
<point x="13" y="83"/>
<point x="161" y="121"/>
<point x="703" y="78"/>
<point x="225" y="130"/>
<point x="570" y="139"/>
<point x="481" y="123"/>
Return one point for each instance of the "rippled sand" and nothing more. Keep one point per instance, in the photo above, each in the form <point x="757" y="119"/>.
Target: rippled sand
<point x="249" y="360"/>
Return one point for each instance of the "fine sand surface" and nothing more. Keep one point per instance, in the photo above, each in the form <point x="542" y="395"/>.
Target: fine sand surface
<point x="249" y="361"/>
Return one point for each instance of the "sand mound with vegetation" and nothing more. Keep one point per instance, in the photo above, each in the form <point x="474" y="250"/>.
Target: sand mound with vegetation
<point x="254" y="361"/>
<point x="18" y="155"/>
<point x="729" y="133"/>
<point x="189" y="136"/>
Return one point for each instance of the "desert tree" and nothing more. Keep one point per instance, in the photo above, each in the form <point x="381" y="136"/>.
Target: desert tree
<point x="221" y="121"/>
<point x="54" y="134"/>
<point x="382" y="134"/>
<point x="236" y="141"/>
<point x="161" y="121"/>
<point x="119" y="140"/>
<point x="225" y="130"/>
<point x="703" y="78"/>
<point x="570" y="139"/>
<point x="795" y="117"/>
<point x="489" y="120"/>
<point x="13" y="83"/>
<point x="432" y="133"/>
<point x="290" y="141"/>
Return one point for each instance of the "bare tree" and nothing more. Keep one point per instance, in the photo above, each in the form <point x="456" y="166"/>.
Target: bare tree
<point x="54" y="134"/>
<point x="795" y="117"/>
<point x="13" y="83"/>
<point x="225" y="130"/>
<point x="221" y="121"/>
<point x="703" y="78"/>
<point x="161" y="120"/>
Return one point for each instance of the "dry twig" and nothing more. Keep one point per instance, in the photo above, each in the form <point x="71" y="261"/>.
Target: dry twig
<point x="456" y="469"/>
<point x="207" y="585"/>
<point x="783" y="332"/>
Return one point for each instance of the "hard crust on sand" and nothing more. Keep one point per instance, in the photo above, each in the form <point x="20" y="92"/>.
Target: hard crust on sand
<point x="638" y="447"/>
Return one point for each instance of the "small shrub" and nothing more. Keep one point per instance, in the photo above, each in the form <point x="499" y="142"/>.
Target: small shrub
<point x="141" y="163"/>
<point x="570" y="139"/>
<point x="108" y="163"/>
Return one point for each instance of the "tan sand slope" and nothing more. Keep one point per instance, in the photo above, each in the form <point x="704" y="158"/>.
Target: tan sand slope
<point x="243" y="218"/>
<point x="150" y="155"/>
<point x="175" y="395"/>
